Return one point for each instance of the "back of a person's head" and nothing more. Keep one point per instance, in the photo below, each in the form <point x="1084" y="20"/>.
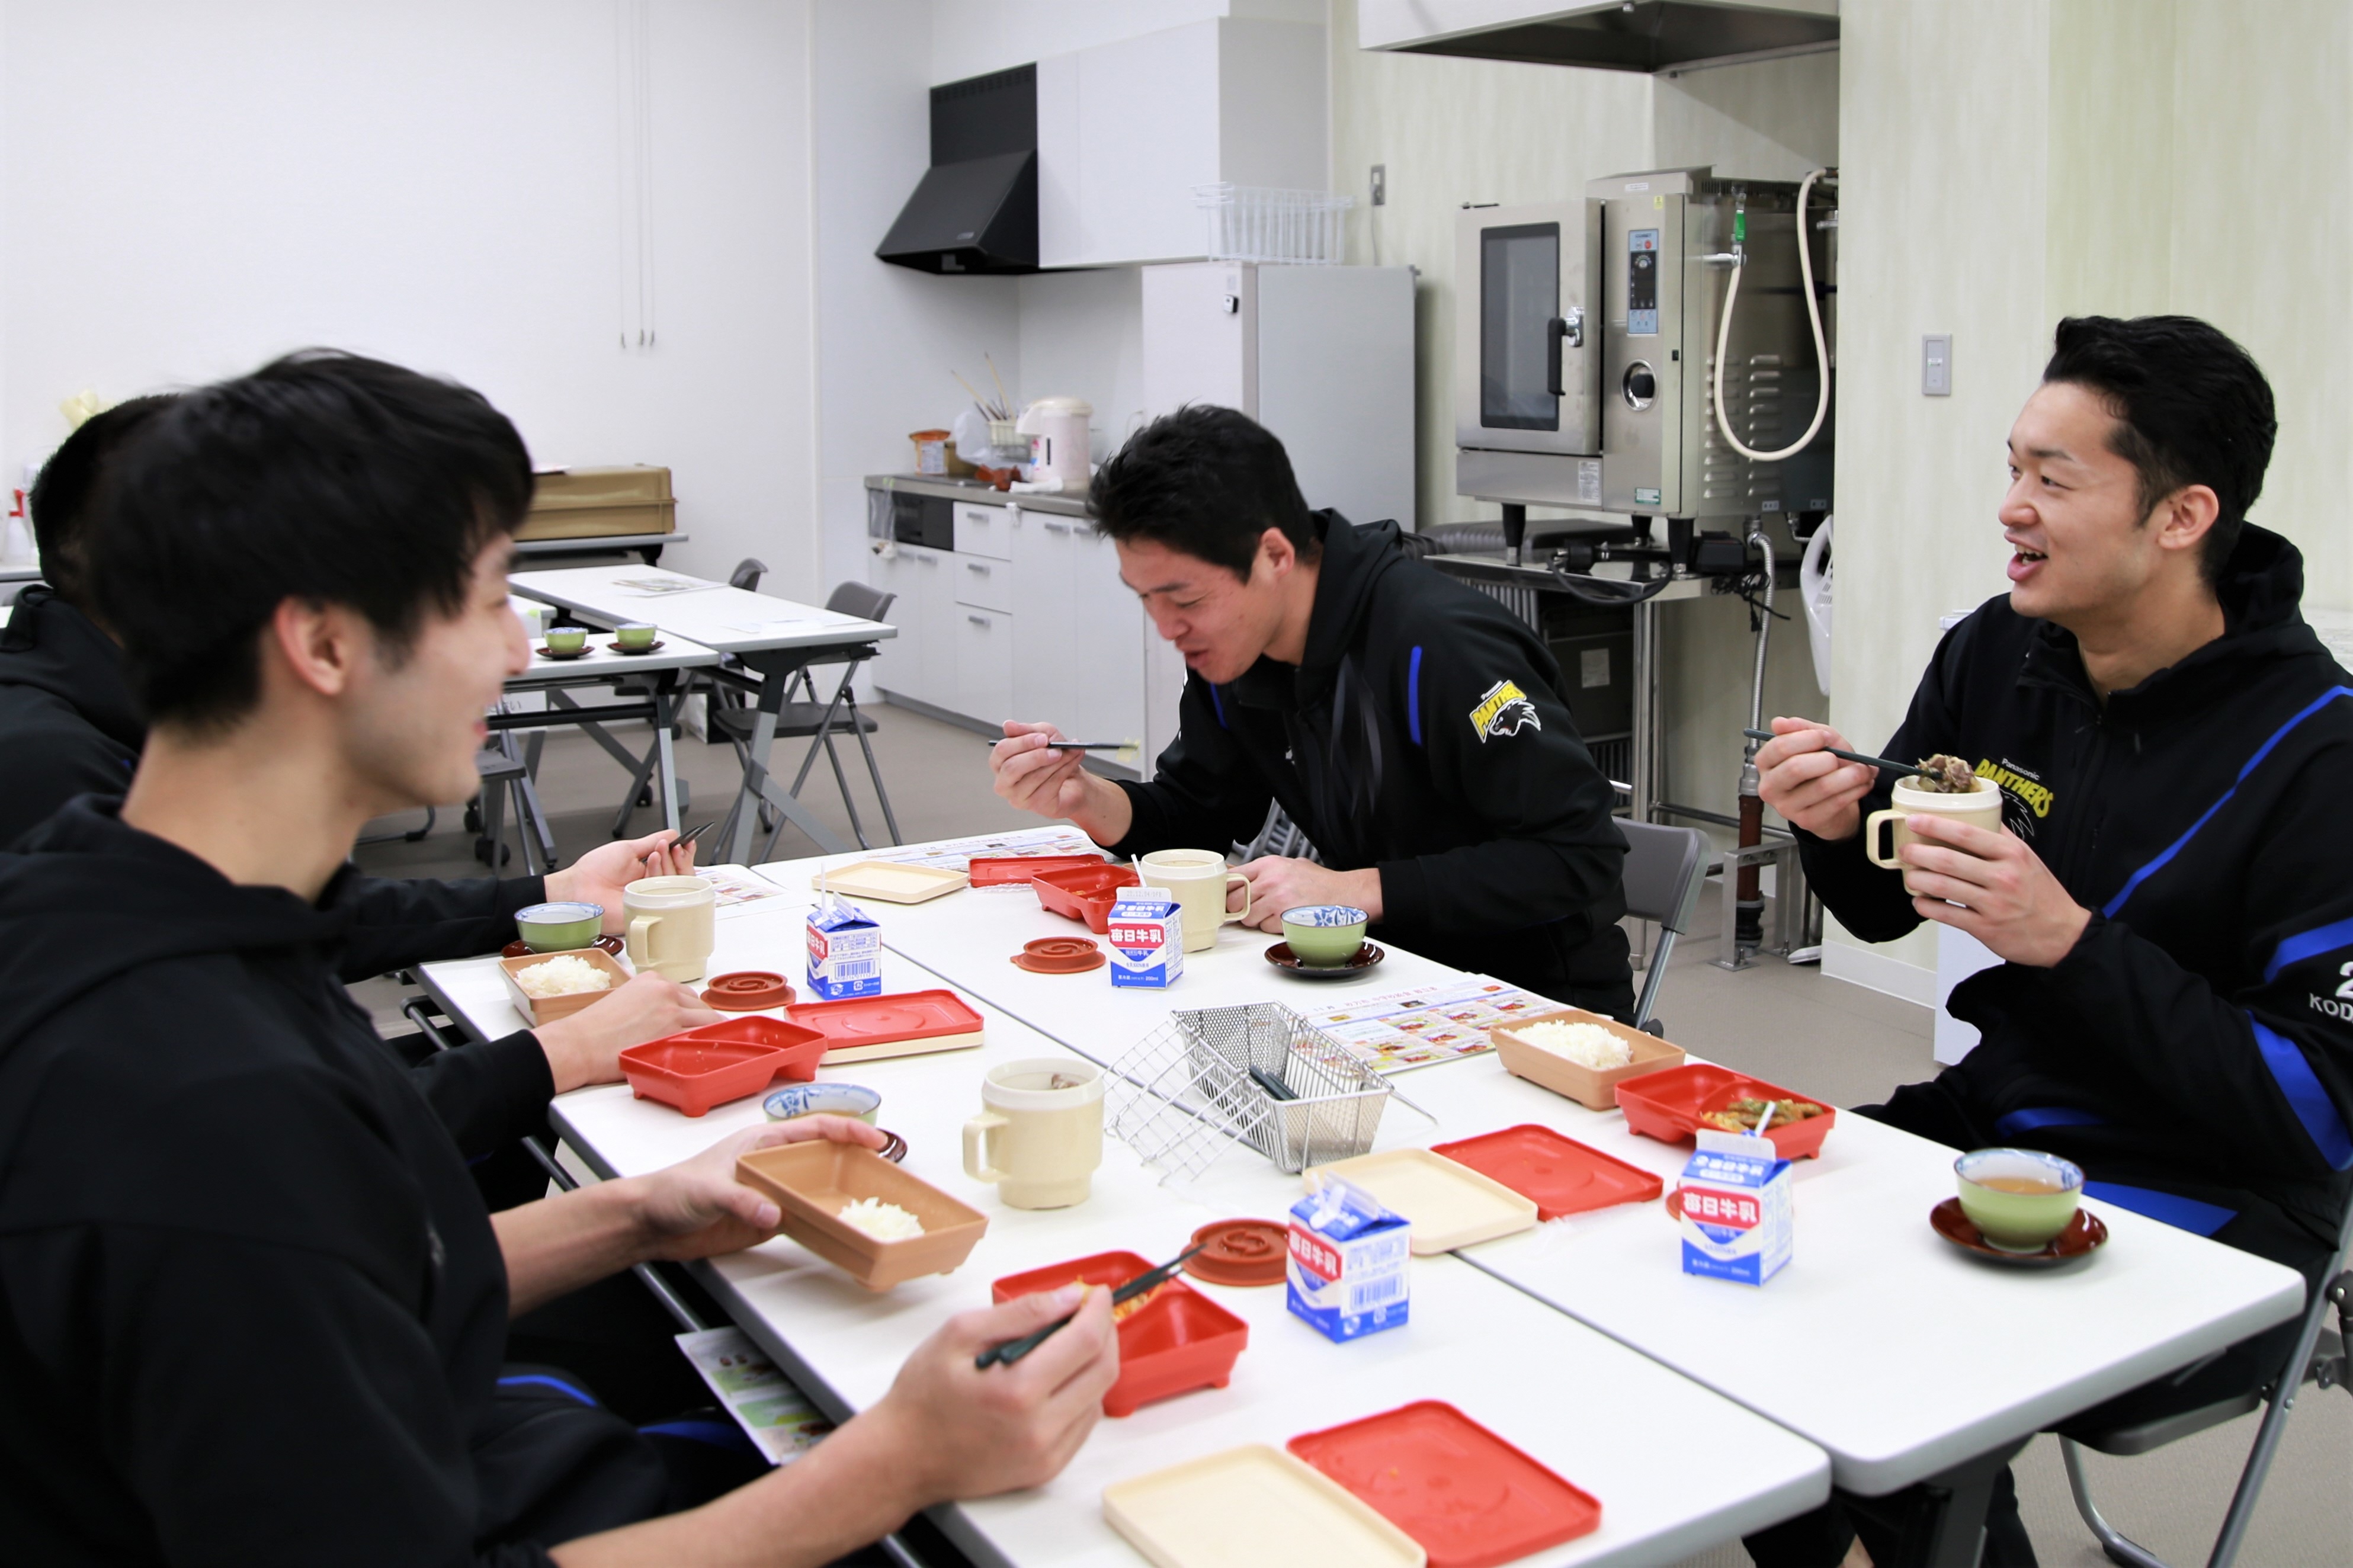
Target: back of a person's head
<point x="1206" y="481"/>
<point x="64" y="499"/>
<point x="2191" y="406"/>
<point x="321" y="476"/>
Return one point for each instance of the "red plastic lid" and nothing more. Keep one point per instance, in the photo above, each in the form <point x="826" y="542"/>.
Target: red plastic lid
<point x="1060" y="955"/>
<point x="871" y="1020"/>
<point x="996" y="870"/>
<point x="1561" y="1175"/>
<point x="747" y="991"/>
<point x="1240" y="1252"/>
<point x="1469" y="1499"/>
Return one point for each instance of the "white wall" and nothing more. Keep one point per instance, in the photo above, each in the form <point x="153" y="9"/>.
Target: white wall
<point x="971" y="37"/>
<point x="193" y="188"/>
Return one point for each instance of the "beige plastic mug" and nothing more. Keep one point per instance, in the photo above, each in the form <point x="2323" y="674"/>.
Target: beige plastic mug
<point x="668" y="922"/>
<point x="1982" y="810"/>
<point x="1039" y="1135"/>
<point x="1197" y="880"/>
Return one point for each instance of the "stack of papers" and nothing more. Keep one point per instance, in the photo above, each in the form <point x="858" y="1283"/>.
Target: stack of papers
<point x="1426" y="1024"/>
<point x="776" y="1416"/>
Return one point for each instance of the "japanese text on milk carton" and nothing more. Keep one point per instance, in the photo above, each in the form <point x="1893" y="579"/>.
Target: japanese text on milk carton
<point x="845" y="952"/>
<point x="1736" y="1218"/>
<point x="1346" y="1271"/>
<point x="1147" y="940"/>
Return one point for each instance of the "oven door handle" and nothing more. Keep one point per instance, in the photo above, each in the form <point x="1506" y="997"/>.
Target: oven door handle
<point x="1571" y="328"/>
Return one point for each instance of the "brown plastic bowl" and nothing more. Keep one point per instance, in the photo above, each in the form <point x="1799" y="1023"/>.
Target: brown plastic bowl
<point x="547" y="1010"/>
<point x="1596" y="1089"/>
<point x="747" y="991"/>
<point x="1060" y="955"/>
<point x="813" y="1182"/>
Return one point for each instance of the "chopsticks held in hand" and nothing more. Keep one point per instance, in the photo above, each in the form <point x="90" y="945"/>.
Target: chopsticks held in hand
<point x="1011" y="1351"/>
<point x="1900" y="770"/>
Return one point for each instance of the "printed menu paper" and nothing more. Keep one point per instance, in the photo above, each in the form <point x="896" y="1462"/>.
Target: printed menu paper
<point x="955" y="854"/>
<point x="659" y="585"/>
<point x="774" y="1413"/>
<point x="735" y="887"/>
<point x="1424" y="1024"/>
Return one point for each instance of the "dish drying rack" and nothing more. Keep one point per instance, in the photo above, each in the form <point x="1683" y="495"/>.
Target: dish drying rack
<point x="1255" y="223"/>
<point x="1199" y="1083"/>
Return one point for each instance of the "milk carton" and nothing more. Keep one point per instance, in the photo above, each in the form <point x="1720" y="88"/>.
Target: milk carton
<point x="845" y="952"/>
<point x="1736" y="1213"/>
<point x="1346" y="1272"/>
<point x="1148" y="940"/>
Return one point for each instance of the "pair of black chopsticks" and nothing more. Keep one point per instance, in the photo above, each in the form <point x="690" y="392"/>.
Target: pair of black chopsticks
<point x="1900" y="770"/>
<point x="1011" y="1351"/>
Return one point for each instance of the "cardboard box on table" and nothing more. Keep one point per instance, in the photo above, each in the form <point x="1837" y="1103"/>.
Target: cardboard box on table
<point x="597" y="504"/>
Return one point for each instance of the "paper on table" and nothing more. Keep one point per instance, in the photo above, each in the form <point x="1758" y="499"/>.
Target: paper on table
<point x="1439" y="1022"/>
<point x="735" y="887"/>
<point x="956" y="855"/>
<point x="771" y="1412"/>
<point x="660" y="585"/>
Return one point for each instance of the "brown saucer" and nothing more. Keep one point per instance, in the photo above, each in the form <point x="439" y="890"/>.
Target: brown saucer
<point x="583" y="651"/>
<point x="1060" y="955"/>
<point x="747" y="991"/>
<point x="613" y="945"/>
<point x="1283" y="958"/>
<point x="1241" y="1252"/>
<point x="895" y="1149"/>
<point x="2085" y="1235"/>
<point x="633" y="652"/>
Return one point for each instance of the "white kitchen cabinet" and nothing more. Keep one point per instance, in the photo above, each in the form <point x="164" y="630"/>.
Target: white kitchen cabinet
<point x="924" y="668"/>
<point x="1045" y="645"/>
<point x="1109" y="625"/>
<point x="984" y="530"/>
<point x="1126" y="131"/>
<point x="983" y="641"/>
<point x="899" y="666"/>
<point x="984" y="582"/>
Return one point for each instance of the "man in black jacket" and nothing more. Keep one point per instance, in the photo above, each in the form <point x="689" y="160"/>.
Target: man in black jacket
<point x="251" y="1308"/>
<point x="1409" y="726"/>
<point x="70" y="726"/>
<point x="2172" y="893"/>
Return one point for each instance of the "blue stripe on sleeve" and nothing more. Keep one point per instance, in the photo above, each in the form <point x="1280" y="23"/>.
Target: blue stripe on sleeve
<point x="2167" y="1208"/>
<point x="544" y="1380"/>
<point x="2308" y="945"/>
<point x="2034" y="1118"/>
<point x="2306" y="1096"/>
<point x="2133" y="882"/>
<point x="1219" y="703"/>
<point x="1413" y="695"/>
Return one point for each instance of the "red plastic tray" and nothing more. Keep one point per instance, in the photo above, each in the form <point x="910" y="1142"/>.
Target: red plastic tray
<point x="1668" y="1105"/>
<point x="698" y="1068"/>
<point x="996" y="870"/>
<point x="1177" y="1342"/>
<point x="1469" y="1499"/>
<point x="1084" y="893"/>
<point x="1561" y="1174"/>
<point x="871" y="1020"/>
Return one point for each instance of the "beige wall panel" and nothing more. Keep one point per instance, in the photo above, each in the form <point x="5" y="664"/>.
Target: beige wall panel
<point x="2111" y="189"/>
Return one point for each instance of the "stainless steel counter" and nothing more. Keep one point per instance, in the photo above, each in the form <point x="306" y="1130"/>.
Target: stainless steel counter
<point x="978" y="494"/>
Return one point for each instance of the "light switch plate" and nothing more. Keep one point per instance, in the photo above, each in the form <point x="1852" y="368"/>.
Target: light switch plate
<point x="1936" y="366"/>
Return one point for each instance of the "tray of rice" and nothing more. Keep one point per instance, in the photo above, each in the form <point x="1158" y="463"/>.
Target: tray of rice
<point x="545" y="986"/>
<point x="1580" y="1055"/>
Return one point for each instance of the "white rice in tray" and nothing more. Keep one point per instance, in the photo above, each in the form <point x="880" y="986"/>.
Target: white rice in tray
<point x="1586" y="1045"/>
<point x="883" y="1222"/>
<point x="562" y="976"/>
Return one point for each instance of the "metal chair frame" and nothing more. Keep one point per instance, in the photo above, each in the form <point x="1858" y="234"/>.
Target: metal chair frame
<point x="1665" y="870"/>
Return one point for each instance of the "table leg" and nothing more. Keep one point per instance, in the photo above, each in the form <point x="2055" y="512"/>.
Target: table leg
<point x="759" y="785"/>
<point x="1946" y="1524"/>
<point x="666" y="702"/>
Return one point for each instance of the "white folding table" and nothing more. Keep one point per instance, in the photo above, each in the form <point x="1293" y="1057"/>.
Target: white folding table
<point x="663" y="673"/>
<point x="1677" y="1468"/>
<point x="774" y="637"/>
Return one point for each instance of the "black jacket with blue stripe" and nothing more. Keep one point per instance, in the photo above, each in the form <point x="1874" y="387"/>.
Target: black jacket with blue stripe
<point x="2194" y="1051"/>
<point x="1422" y="733"/>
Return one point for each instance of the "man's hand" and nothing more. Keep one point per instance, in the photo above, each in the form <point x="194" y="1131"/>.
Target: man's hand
<point x="696" y="1209"/>
<point x="1993" y="886"/>
<point x="971" y="1434"/>
<point x="598" y="877"/>
<point x="1798" y="777"/>
<point x="586" y="1047"/>
<point x="1029" y="773"/>
<point x="1278" y="883"/>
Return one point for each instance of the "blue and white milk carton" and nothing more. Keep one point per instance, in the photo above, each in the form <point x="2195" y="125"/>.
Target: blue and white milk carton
<point x="1148" y="940"/>
<point x="1346" y="1272"/>
<point x="845" y="952"/>
<point x="1734" y="1200"/>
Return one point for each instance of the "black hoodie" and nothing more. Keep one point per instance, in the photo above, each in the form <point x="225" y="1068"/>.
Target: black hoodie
<point x="2194" y="1051"/>
<point x="70" y="726"/>
<point x="251" y="1308"/>
<point x="1422" y="733"/>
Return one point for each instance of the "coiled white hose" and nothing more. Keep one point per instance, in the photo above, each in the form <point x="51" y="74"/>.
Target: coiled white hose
<point x="1813" y="315"/>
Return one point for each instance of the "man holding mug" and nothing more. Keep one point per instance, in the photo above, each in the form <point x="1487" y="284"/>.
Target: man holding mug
<point x="2172" y="888"/>
<point x="1409" y="725"/>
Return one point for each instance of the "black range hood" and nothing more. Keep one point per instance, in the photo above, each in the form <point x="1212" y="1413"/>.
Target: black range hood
<point x="975" y="208"/>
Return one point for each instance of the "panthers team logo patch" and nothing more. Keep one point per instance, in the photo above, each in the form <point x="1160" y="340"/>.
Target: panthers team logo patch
<point x="1504" y="709"/>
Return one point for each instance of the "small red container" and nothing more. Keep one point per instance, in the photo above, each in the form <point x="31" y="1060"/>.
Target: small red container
<point x="698" y="1068"/>
<point x="998" y="871"/>
<point x="1084" y="893"/>
<point x="1467" y="1496"/>
<point x="1176" y="1342"/>
<point x="1668" y="1105"/>
<point x="1561" y="1175"/>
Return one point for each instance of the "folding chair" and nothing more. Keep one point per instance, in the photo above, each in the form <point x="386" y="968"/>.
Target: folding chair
<point x="505" y="778"/>
<point x="2320" y="1357"/>
<point x="1665" y="869"/>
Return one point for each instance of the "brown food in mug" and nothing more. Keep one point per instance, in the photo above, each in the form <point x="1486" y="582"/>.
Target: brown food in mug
<point x="1941" y="775"/>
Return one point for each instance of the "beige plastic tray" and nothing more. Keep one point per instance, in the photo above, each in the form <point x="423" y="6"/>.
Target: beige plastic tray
<point x="889" y="883"/>
<point x="1596" y="1089"/>
<point x="1252" y="1507"/>
<point x="1451" y="1206"/>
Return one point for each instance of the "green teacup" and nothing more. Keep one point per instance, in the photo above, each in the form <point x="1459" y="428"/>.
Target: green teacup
<point x="634" y="634"/>
<point x="559" y="928"/>
<point x="2019" y="1198"/>
<point x="1323" y="936"/>
<point x="566" y="639"/>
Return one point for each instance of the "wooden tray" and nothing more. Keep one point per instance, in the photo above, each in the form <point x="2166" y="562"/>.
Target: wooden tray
<point x="1252" y="1507"/>
<point x="887" y="883"/>
<point x="1451" y="1206"/>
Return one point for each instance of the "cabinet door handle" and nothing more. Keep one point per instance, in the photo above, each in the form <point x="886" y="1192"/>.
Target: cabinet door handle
<point x="1058" y="528"/>
<point x="976" y="566"/>
<point x="980" y="621"/>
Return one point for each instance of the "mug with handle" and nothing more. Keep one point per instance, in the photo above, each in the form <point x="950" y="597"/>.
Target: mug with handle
<point x="1198" y="881"/>
<point x="1981" y="808"/>
<point x="668" y="922"/>
<point x="1039" y="1136"/>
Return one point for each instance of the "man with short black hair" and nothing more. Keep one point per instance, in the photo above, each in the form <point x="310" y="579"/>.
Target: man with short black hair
<point x="1411" y="727"/>
<point x="251" y="1308"/>
<point x="2172" y="891"/>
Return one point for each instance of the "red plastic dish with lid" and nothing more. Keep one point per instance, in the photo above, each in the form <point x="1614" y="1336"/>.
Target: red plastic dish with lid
<point x="698" y="1068"/>
<point x="1668" y="1105"/>
<point x="1084" y="893"/>
<point x="1560" y="1174"/>
<point x="1176" y="1342"/>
